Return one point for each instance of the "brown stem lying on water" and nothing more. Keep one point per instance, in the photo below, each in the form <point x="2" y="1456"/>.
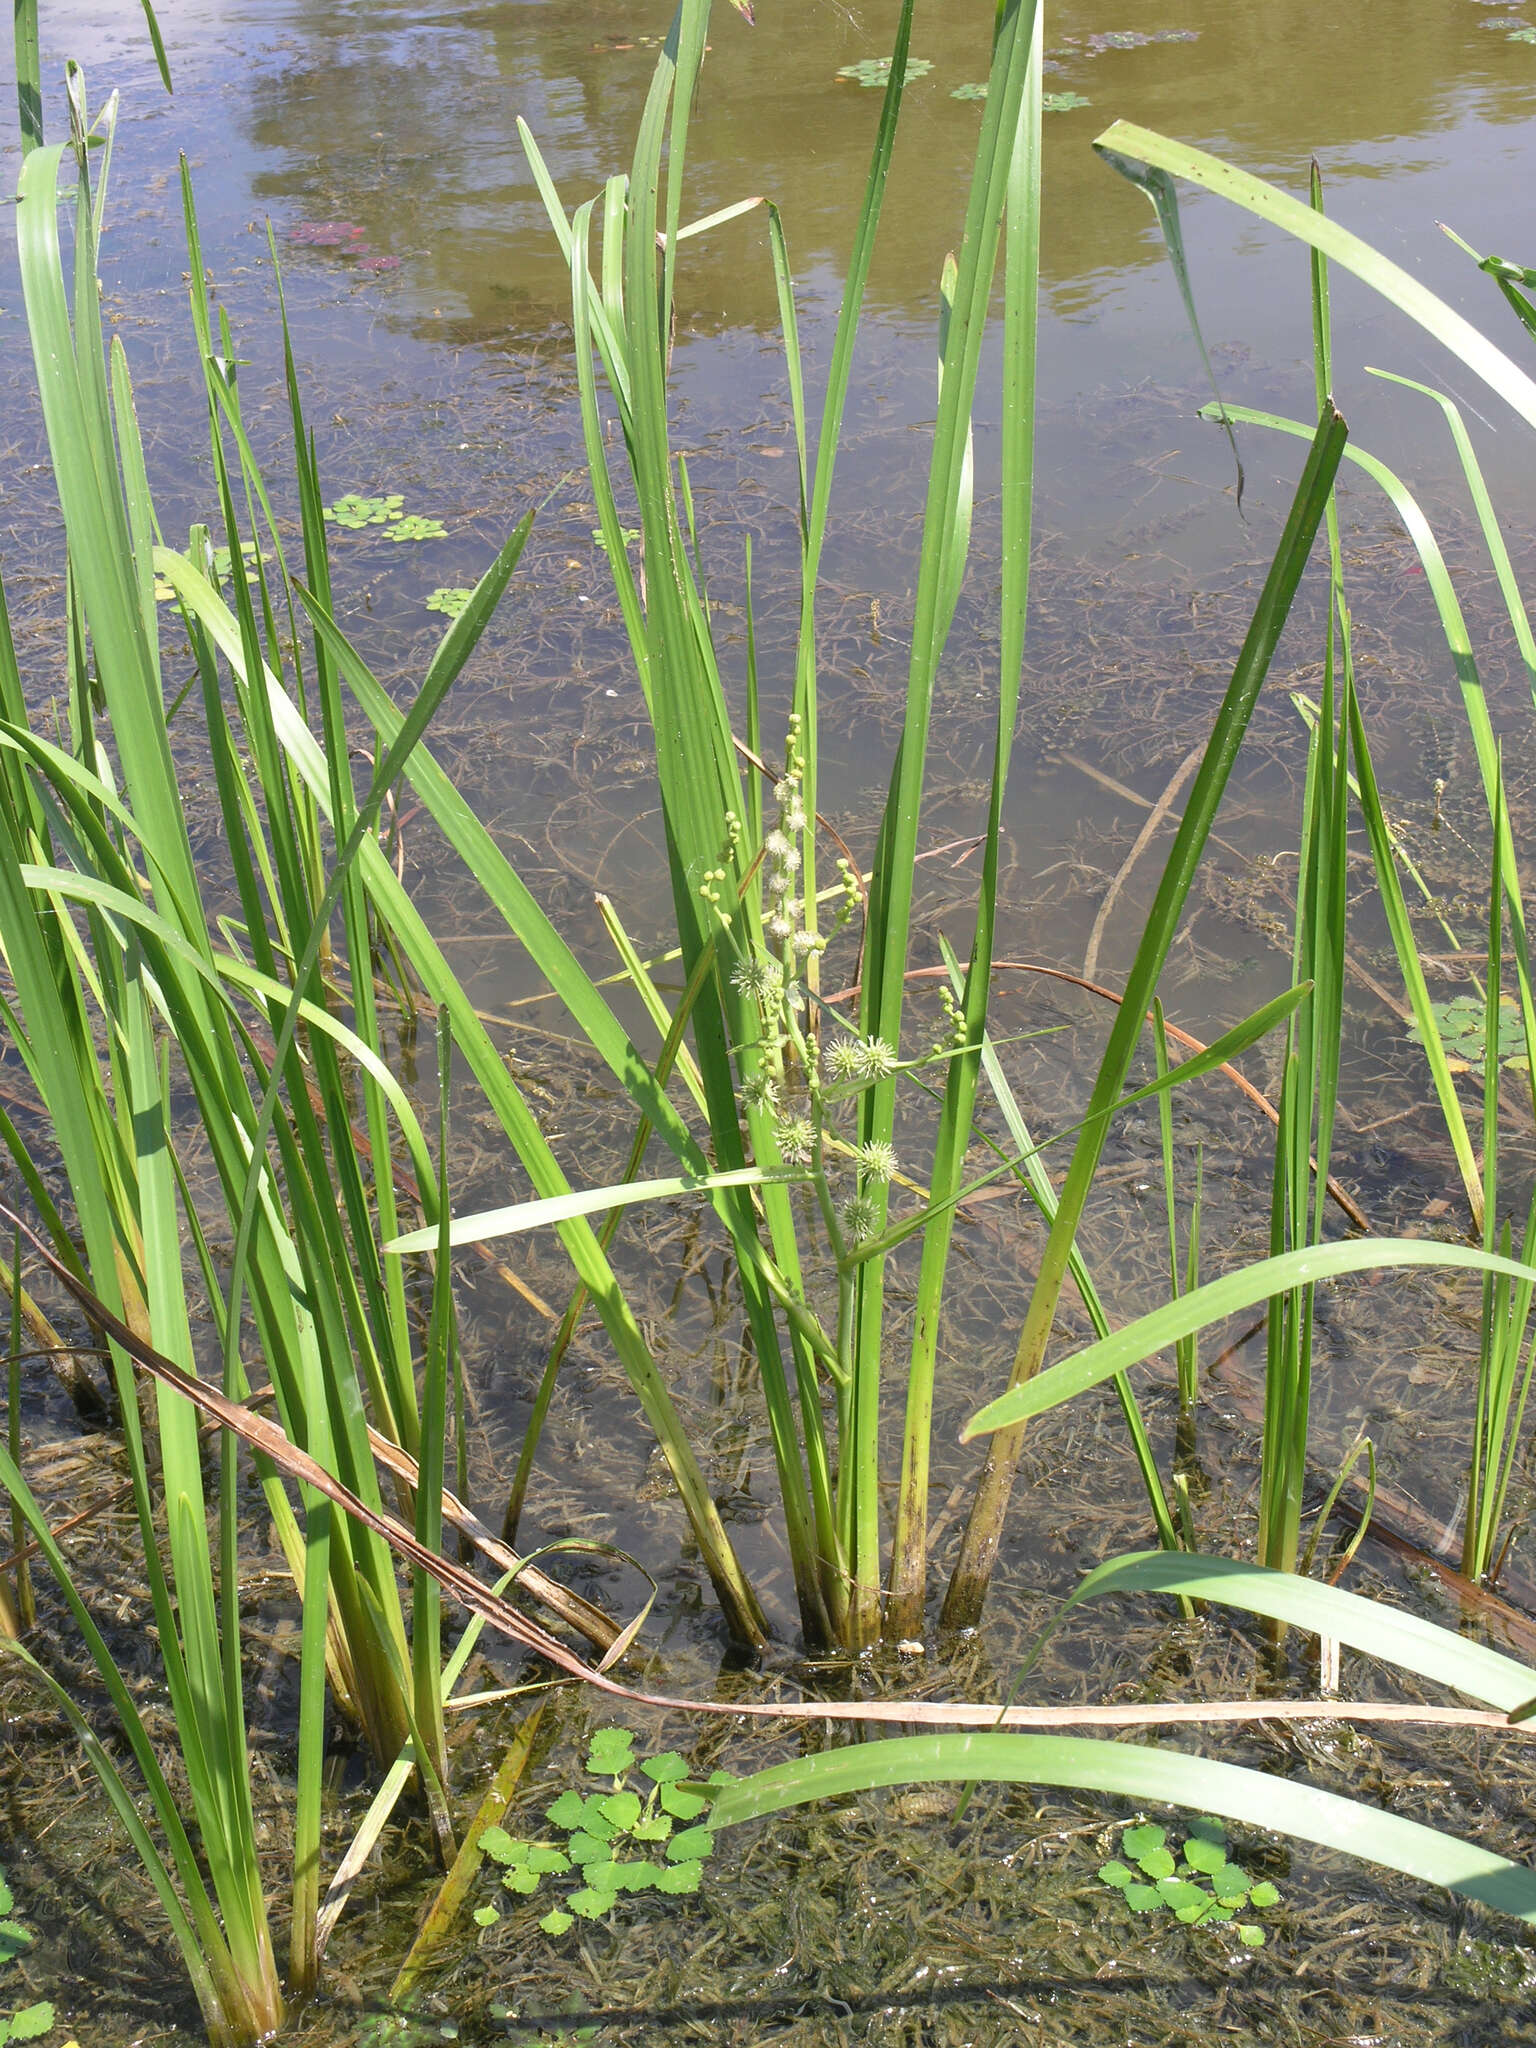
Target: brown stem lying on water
<point x="471" y="1593"/>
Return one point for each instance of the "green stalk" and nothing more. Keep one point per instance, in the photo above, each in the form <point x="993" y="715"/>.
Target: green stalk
<point x="907" y="1584"/>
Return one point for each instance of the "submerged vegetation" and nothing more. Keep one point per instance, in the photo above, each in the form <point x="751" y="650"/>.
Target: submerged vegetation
<point x="220" y="1165"/>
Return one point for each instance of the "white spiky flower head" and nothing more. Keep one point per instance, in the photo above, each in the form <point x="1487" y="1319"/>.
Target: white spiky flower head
<point x="758" y="979"/>
<point x="875" y="1159"/>
<point x="795" y="1137"/>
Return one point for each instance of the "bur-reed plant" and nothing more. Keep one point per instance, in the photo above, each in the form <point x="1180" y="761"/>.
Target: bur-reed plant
<point x="753" y="916"/>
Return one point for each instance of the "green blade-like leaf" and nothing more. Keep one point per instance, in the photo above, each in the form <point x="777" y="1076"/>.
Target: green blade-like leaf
<point x="1217" y="1299"/>
<point x="1144" y="1774"/>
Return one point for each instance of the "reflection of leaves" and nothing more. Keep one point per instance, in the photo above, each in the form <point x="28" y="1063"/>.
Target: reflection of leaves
<point x="1062" y="102"/>
<point x="874" y="71"/>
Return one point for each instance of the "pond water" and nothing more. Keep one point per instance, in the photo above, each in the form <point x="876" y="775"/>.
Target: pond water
<point x="435" y="353"/>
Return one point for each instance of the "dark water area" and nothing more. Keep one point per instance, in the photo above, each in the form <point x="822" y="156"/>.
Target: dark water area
<point x="436" y="363"/>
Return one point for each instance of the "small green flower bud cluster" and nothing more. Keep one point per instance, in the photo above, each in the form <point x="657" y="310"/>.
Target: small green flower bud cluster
<point x="954" y="1038"/>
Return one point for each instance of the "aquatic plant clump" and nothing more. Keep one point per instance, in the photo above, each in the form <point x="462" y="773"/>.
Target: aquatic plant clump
<point x="1197" y="1883"/>
<point x="644" y="1834"/>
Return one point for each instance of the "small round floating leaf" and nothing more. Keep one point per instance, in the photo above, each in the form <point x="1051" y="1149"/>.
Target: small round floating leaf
<point x="500" y="1847"/>
<point x="969" y="92"/>
<point x="1264" y="1895"/>
<point x="416" y="528"/>
<point x="485" y="1916"/>
<point x="584" y="1848"/>
<point x="1218" y="1913"/>
<point x="1183" y="1896"/>
<point x="656" y="1829"/>
<point x="665" y="1769"/>
<point x="1200" y="1854"/>
<point x="682" y="1805"/>
<point x="1202" y="1910"/>
<point x="692" y="1842"/>
<point x="1249" y="1935"/>
<point x="568" y="1811"/>
<point x="556" y="1922"/>
<point x="604" y="1876"/>
<point x="31" y="2021"/>
<point x="621" y="1810"/>
<point x="1062" y="102"/>
<point x="521" y="1879"/>
<point x="1157" y="1863"/>
<point x="1143" y="1898"/>
<point x="590" y="1905"/>
<point x="638" y="1875"/>
<point x="1117" y="1874"/>
<point x="680" y="1877"/>
<point x="1137" y="1842"/>
<point x="544" y="1856"/>
<point x="1230" y="1884"/>
<point x="449" y="599"/>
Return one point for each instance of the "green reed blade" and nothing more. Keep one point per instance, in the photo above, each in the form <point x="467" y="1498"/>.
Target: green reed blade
<point x="1298" y="219"/>
<point x="1209" y="1303"/>
<point x="1147" y="1774"/>
<point x="984" y="1530"/>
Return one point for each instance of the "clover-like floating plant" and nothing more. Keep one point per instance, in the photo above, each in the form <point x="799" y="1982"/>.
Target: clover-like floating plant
<point x="416" y="528"/>
<point x="357" y="512"/>
<point x="1197" y="1884"/>
<point x="448" y="598"/>
<point x="612" y="1838"/>
<point x="875" y="71"/>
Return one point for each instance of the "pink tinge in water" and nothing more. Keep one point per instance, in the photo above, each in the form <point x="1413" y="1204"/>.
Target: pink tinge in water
<point x="379" y="263"/>
<point x="324" y="234"/>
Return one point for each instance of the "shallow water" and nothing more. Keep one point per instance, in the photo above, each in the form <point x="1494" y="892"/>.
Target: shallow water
<point x="447" y="378"/>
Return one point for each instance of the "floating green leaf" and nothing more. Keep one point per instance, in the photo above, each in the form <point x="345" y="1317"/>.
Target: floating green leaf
<point x="876" y="71"/>
<point x="1143" y="1898"/>
<point x="449" y="599"/>
<point x="692" y="1842"/>
<point x="586" y="1848"/>
<point x="1117" y="1874"/>
<point x="13" y="1939"/>
<point x="621" y="1810"/>
<point x="568" y="1811"/>
<point x="665" y="1769"/>
<point x="680" y="1877"/>
<point x="680" y="1804"/>
<point x="416" y="528"/>
<point x="485" y="1916"/>
<point x="1463" y="1032"/>
<point x="357" y="512"/>
<point x="1139" y="1842"/>
<point x="590" y="1905"/>
<point x="27" y="2024"/>
<point x="500" y="1847"/>
<point x="1249" y="1935"/>
<point x="521" y="1879"/>
<point x="556" y="1921"/>
<point x="969" y="92"/>
<point x="1062" y="102"/>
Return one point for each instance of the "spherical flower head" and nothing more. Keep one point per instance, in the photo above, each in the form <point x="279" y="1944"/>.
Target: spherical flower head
<point x="758" y="979"/>
<point x="876" y="1060"/>
<point x="876" y="1160"/>
<point x="760" y="1090"/>
<point x="843" y="1058"/>
<point x="777" y="846"/>
<point x="786" y="791"/>
<point x="860" y="1219"/>
<point x="794" y="818"/>
<point x="795" y="1137"/>
<point x="781" y="926"/>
